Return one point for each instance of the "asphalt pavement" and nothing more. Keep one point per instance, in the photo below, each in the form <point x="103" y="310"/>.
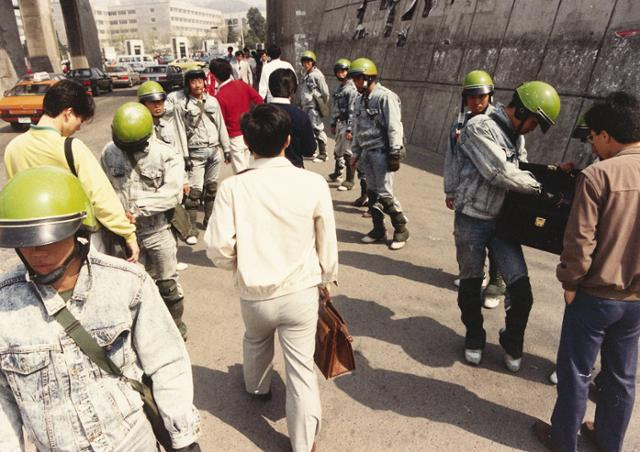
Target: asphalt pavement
<point x="411" y="390"/>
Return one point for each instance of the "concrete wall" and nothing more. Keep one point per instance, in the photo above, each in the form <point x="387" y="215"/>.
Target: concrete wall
<point x="584" y="48"/>
<point x="11" y="51"/>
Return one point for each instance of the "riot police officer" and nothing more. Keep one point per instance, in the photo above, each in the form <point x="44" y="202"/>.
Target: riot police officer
<point x="147" y="176"/>
<point x="378" y="141"/>
<point x="314" y="94"/>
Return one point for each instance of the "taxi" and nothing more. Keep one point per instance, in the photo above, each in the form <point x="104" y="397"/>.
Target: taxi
<point x="186" y="63"/>
<point x="22" y="104"/>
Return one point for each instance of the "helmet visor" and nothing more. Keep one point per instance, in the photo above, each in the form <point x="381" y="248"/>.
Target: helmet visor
<point x="26" y="233"/>
<point x="153" y="97"/>
<point x="477" y="90"/>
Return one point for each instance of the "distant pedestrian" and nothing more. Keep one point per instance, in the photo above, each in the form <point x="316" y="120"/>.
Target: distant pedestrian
<point x="261" y="60"/>
<point x="274" y="63"/>
<point x="229" y="56"/>
<point x="283" y="85"/>
<point x="274" y="227"/>
<point x="241" y="68"/>
<point x="235" y="98"/>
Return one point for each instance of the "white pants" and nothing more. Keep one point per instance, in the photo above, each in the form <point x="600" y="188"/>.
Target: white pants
<point x="240" y="155"/>
<point x="295" y="317"/>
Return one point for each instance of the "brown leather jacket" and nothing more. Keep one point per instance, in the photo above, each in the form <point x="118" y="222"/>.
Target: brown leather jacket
<point x="602" y="239"/>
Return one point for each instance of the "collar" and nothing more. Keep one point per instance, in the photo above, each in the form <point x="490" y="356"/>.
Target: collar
<point x="226" y="82"/>
<point x="53" y="129"/>
<point x="630" y="149"/>
<point x="280" y="100"/>
<point x="271" y="162"/>
<point x="52" y="300"/>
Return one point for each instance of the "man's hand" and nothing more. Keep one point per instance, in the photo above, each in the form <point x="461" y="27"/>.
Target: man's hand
<point x="188" y="164"/>
<point x="566" y="166"/>
<point x="449" y="202"/>
<point x="134" y="251"/>
<point x="130" y="217"/>
<point x="333" y="130"/>
<point x="227" y="158"/>
<point x="186" y="189"/>
<point x="569" y="296"/>
<point x="325" y="292"/>
<point x="349" y="136"/>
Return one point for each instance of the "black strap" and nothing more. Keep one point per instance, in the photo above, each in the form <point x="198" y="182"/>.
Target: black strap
<point x="506" y="128"/>
<point x="68" y="154"/>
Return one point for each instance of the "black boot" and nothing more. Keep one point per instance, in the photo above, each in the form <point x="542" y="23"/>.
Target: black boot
<point x="470" y="304"/>
<point x="348" y="182"/>
<point x="521" y="298"/>
<point x="322" y="152"/>
<point x="337" y="169"/>
<point x="209" y="197"/>
<point x="362" y="200"/>
<point x="378" y="233"/>
<point x="171" y="293"/>
<point x="399" y="222"/>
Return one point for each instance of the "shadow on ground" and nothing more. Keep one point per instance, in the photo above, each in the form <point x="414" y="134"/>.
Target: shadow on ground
<point x="427" y="341"/>
<point x="384" y="265"/>
<point x="187" y="255"/>
<point x="223" y="395"/>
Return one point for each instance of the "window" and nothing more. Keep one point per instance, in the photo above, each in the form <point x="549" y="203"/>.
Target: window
<point x="121" y="13"/>
<point x="133" y="21"/>
<point x="153" y="19"/>
<point x="152" y="10"/>
<point x="131" y="11"/>
<point x="113" y="22"/>
<point x="123" y="21"/>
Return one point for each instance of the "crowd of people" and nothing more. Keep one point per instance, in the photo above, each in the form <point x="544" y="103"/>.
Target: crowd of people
<point x="93" y="316"/>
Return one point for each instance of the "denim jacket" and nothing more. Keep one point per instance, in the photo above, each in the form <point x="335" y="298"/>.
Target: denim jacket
<point x="451" y="174"/>
<point x="343" y="104"/>
<point x="313" y="83"/>
<point x="64" y="401"/>
<point x="150" y="190"/>
<point x="488" y="159"/>
<point x="199" y="121"/>
<point x="378" y="122"/>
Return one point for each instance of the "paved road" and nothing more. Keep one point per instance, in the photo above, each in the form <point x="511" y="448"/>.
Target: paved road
<point x="410" y="391"/>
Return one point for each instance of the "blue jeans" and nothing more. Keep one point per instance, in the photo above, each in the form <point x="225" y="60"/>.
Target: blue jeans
<point x="591" y="325"/>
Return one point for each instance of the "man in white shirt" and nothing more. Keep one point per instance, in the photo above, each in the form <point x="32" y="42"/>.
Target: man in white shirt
<point x="274" y="227"/>
<point x="241" y="69"/>
<point x="275" y="62"/>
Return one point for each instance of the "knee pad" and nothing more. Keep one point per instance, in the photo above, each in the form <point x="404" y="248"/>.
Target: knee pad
<point x="210" y="190"/>
<point x="192" y="200"/>
<point x="169" y="290"/>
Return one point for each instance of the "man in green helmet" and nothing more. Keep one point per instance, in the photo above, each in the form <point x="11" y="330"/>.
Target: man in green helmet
<point x="64" y="298"/>
<point x="489" y="151"/>
<point x="152" y="95"/>
<point x="378" y="147"/>
<point x="148" y="176"/>
<point x="343" y="102"/>
<point x="202" y="131"/>
<point x="314" y="93"/>
<point x="477" y="95"/>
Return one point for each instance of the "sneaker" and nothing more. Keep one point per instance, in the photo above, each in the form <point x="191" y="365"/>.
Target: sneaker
<point x="370" y="239"/>
<point x="542" y="432"/>
<point x="181" y="266"/>
<point x="512" y="364"/>
<point x="456" y="282"/>
<point x="397" y="245"/>
<point x="491" y="302"/>
<point x="361" y="201"/>
<point x="473" y="356"/>
<point x="345" y="186"/>
<point x="320" y="159"/>
<point x="191" y="240"/>
<point x="553" y="378"/>
<point x="334" y="177"/>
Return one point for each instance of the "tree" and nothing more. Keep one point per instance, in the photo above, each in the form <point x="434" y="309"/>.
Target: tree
<point x="257" y="32"/>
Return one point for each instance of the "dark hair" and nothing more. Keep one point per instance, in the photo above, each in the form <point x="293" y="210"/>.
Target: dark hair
<point x="618" y="114"/>
<point x="283" y="83"/>
<point x="221" y="69"/>
<point x="265" y="129"/>
<point x="239" y="53"/>
<point x="229" y="49"/>
<point x="274" y="51"/>
<point x="69" y="94"/>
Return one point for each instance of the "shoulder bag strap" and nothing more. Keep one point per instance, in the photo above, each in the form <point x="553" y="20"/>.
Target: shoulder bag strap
<point x="68" y="154"/>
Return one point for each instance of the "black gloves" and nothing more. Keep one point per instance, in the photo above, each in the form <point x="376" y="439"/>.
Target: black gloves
<point x="393" y="162"/>
<point x="188" y="164"/>
<point x="227" y="157"/>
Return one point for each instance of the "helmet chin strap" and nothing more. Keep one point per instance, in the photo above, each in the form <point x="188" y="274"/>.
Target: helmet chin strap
<point x="81" y="249"/>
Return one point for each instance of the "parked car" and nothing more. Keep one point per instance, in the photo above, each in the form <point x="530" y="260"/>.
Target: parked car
<point x="123" y="76"/>
<point x="94" y="80"/>
<point x="169" y="77"/>
<point x="22" y="104"/>
<point x="137" y="62"/>
<point x="184" y="63"/>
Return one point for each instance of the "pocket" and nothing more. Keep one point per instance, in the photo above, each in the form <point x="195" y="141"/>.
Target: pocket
<point x="117" y="171"/>
<point x="151" y="178"/>
<point x="115" y="340"/>
<point x="27" y="373"/>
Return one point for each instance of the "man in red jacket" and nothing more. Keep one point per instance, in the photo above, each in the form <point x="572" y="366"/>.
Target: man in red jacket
<point x="235" y="98"/>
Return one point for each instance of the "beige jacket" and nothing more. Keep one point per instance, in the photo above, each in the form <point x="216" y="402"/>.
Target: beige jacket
<point x="602" y="238"/>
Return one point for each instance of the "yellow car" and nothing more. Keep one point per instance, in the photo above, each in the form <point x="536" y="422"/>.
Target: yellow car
<point x="22" y="104"/>
<point x="187" y="63"/>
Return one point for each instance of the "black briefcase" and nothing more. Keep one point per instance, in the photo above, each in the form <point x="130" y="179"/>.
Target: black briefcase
<point x="539" y="221"/>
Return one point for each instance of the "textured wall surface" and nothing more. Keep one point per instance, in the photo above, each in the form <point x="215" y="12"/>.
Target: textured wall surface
<point x="584" y="48"/>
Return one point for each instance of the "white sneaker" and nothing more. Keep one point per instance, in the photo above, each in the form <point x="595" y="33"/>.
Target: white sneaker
<point x="369" y="239"/>
<point x="397" y="245"/>
<point x="553" y="378"/>
<point x="512" y="363"/>
<point x="181" y="266"/>
<point x="192" y="240"/>
<point x="491" y="302"/>
<point x="473" y="356"/>
<point x="456" y="282"/>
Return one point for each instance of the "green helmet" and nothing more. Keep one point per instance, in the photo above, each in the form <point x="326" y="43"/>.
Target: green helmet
<point x="132" y="126"/>
<point x="363" y="66"/>
<point x="151" y="91"/>
<point x="540" y="99"/>
<point x="341" y="64"/>
<point x="309" y="55"/>
<point x="581" y="130"/>
<point x="43" y="205"/>
<point x="476" y="83"/>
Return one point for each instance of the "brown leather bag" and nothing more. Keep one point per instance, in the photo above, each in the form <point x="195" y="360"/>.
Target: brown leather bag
<point x="333" y="355"/>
